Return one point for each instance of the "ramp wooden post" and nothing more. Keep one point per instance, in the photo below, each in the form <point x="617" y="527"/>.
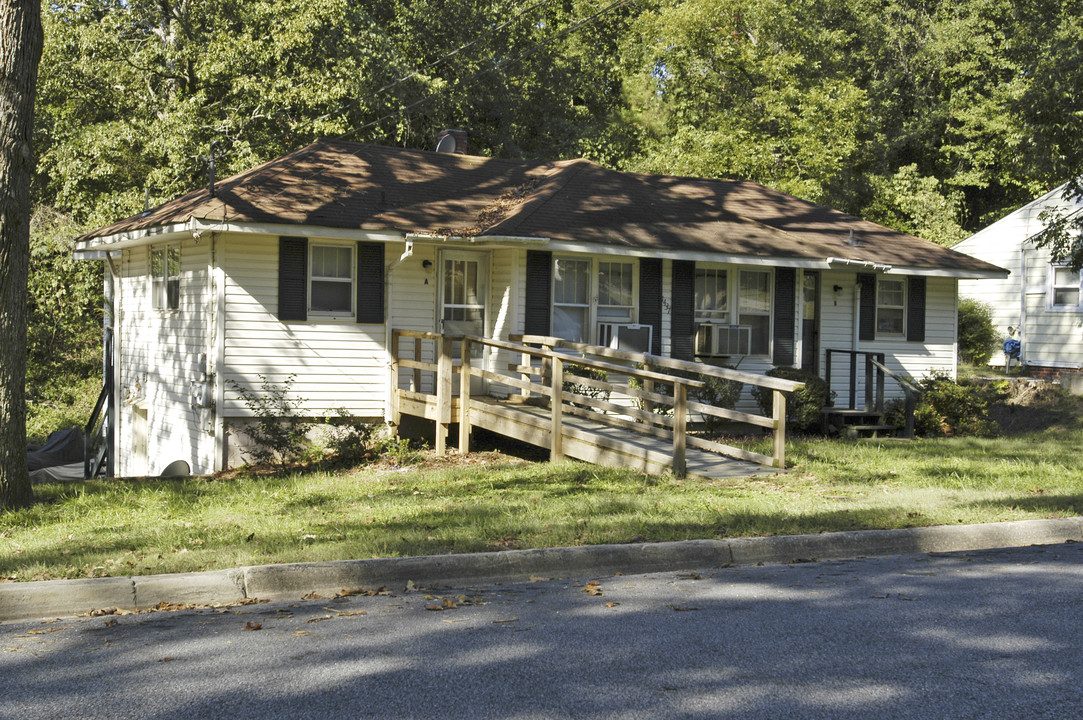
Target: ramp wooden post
<point x="779" y="416"/>
<point x="443" y="394"/>
<point x="417" y="371"/>
<point x="556" y="447"/>
<point x="464" y="399"/>
<point x="396" y="412"/>
<point x="680" y="418"/>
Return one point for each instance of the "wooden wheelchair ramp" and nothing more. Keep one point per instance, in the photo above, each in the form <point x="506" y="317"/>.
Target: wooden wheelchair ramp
<point x="557" y="394"/>
<point x="595" y="442"/>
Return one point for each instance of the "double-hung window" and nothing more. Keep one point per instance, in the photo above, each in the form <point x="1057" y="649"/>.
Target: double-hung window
<point x="165" y="277"/>
<point x="615" y="299"/>
<point x="732" y="311"/>
<point x="890" y="306"/>
<point x="331" y="280"/>
<point x="571" y="299"/>
<point x="1064" y="293"/>
<point x="754" y="308"/>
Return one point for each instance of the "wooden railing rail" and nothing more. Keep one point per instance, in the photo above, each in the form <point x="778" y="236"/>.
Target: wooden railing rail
<point x="542" y="371"/>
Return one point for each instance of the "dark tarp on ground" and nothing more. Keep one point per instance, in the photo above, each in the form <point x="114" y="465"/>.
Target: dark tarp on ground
<point x="64" y="447"/>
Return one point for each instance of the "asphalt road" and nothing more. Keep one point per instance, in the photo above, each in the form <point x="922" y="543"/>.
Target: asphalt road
<point x="988" y="634"/>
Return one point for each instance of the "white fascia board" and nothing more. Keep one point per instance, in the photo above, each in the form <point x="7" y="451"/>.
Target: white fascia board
<point x="86" y="249"/>
<point x="947" y="273"/>
<point x="714" y="257"/>
<point x="477" y="240"/>
<point x="307" y="231"/>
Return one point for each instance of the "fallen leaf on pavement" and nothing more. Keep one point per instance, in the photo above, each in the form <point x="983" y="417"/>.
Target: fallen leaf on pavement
<point x="253" y="625"/>
<point x="682" y="608"/>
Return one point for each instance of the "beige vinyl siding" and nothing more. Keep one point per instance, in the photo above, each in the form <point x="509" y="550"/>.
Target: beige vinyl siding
<point x="413" y="305"/>
<point x="335" y="363"/>
<point x="502" y="319"/>
<point x="162" y="356"/>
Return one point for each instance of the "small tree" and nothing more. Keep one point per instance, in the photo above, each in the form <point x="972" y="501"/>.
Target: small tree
<point x="977" y="335"/>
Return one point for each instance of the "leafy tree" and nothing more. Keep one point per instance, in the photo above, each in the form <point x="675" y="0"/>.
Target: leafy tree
<point x="978" y="335"/>
<point x="20" y="51"/>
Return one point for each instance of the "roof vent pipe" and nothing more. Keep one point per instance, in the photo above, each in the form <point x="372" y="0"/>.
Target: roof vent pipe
<point x="451" y="141"/>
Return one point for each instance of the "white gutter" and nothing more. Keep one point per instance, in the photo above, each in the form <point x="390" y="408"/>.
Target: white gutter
<point x="477" y="240"/>
<point x="859" y="264"/>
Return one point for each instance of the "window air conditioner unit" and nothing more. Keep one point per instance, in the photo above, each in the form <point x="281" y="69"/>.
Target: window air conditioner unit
<point x="626" y="336"/>
<point x="713" y="340"/>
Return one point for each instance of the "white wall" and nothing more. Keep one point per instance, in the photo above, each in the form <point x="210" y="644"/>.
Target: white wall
<point x="913" y="359"/>
<point x="161" y="353"/>
<point x="336" y="363"/>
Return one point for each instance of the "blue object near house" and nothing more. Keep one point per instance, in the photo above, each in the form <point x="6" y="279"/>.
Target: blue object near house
<point x="1012" y="348"/>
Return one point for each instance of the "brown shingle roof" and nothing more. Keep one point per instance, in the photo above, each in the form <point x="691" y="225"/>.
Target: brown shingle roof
<point x="346" y="185"/>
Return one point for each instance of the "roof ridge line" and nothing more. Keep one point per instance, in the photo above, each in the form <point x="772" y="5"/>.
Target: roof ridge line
<point x="559" y="171"/>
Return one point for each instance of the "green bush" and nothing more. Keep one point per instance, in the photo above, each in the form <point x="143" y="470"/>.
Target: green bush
<point x="571" y="386"/>
<point x="947" y="407"/>
<point x="717" y="392"/>
<point x="803" y="406"/>
<point x="280" y="433"/>
<point x="978" y="337"/>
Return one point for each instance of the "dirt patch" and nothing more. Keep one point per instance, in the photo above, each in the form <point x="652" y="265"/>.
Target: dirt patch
<point x="1031" y="405"/>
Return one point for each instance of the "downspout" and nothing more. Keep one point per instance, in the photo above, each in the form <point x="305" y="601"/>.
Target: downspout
<point x="1022" y="329"/>
<point x="110" y="370"/>
<point x="392" y="382"/>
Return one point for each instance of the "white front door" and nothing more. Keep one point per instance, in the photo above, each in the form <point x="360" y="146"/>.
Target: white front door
<point x="464" y="289"/>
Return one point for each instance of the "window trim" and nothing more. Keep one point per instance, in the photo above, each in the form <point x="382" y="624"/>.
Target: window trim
<point x="160" y="298"/>
<point x="1052" y="304"/>
<point x="349" y="314"/>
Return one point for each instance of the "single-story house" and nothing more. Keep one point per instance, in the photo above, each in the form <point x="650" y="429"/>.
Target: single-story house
<point x="300" y="268"/>
<point x="1040" y="303"/>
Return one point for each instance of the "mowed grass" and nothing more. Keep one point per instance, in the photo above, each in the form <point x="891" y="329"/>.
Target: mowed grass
<point x="491" y="501"/>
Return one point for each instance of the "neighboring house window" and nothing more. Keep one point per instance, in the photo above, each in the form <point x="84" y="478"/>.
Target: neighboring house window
<point x="890" y="306"/>
<point x="1065" y="288"/>
<point x="331" y="279"/>
<point x="571" y="299"/>
<point x="165" y="277"/>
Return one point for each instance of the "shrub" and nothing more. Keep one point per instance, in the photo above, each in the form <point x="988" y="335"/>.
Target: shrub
<point x="571" y="386"/>
<point x="280" y="433"/>
<point x="803" y="406"/>
<point x="716" y="392"/>
<point x="978" y="337"/>
<point x="947" y="407"/>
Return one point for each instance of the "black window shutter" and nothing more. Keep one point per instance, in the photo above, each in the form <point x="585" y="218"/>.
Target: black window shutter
<point x="785" y="315"/>
<point x="650" y="300"/>
<point x="539" y="288"/>
<point x="915" y="310"/>
<point x="867" y="309"/>
<point x="370" y="282"/>
<point x="292" y="278"/>
<point x="682" y="324"/>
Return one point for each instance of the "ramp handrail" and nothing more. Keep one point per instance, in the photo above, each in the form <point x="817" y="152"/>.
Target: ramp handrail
<point x="553" y="356"/>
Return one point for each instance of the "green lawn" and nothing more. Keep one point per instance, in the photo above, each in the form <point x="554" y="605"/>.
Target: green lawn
<point x="491" y="501"/>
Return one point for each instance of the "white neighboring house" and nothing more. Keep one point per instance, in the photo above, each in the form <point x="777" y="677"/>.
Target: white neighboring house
<point x="303" y="266"/>
<point x="1040" y="303"/>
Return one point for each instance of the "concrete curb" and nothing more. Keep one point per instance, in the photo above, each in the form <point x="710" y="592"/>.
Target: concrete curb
<point x="57" y="598"/>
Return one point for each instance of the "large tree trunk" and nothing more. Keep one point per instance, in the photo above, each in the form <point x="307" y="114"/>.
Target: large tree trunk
<point x="20" y="51"/>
